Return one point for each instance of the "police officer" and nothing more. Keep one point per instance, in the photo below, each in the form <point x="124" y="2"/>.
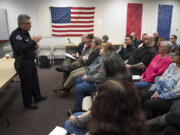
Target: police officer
<point x="24" y="50"/>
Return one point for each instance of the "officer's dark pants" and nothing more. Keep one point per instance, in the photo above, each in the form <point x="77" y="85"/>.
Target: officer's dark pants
<point x="29" y="81"/>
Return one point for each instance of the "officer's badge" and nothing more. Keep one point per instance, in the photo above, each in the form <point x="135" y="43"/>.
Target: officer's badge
<point x="18" y="37"/>
<point x="27" y="40"/>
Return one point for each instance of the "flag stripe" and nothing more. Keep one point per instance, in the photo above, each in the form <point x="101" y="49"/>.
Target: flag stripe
<point x="70" y="32"/>
<point x="86" y="11"/>
<point x="78" y="17"/>
<point x="91" y="30"/>
<point x="134" y="19"/>
<point x="82" y="21"/>
<point x="164" y="21"/>
<point x="82" y="13"/>
<point x="67" y="35"/>
<point x="63" y="33"/>
<point x="73" y="26"/>
<point x="83" y="8"/>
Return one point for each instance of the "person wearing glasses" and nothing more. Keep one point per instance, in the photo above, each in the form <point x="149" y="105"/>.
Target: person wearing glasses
<point x="24" y="51"/>
<point x="167" y="90"/>
<point x="173" y="40"/>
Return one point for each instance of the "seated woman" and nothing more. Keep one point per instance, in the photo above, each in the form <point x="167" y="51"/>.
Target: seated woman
<point x="89" y="82"/>
<point x="166" y="92"/>
<point x="116" y="110"/>
<point x="64" y="90"/>
<point x="157" y="66"/>
<point x="114" y="67"/>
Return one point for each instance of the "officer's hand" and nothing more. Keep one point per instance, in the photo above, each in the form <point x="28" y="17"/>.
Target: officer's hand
<point x="37" y="38"/>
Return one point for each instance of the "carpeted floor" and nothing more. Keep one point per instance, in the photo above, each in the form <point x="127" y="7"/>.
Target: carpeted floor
<point x="51" y="112"/>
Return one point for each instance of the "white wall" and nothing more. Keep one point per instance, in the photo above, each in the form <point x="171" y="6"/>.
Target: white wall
<point x="110" y="16"/>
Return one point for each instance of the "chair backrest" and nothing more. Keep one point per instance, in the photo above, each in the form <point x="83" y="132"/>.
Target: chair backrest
<point x="59" y="47"/>
<point x="45" y="47"/>
<point x="7" y="49"/>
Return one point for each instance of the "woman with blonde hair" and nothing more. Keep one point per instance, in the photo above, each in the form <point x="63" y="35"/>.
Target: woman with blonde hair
<point x="88" y="59"/>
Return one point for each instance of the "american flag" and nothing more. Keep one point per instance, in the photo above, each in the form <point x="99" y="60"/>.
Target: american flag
<point x="72" y="21"/>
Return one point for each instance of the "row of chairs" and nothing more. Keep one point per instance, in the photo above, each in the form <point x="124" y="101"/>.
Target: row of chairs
<point x="52" y="52"/>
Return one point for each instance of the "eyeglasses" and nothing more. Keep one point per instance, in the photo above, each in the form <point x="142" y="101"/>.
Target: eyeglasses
<point x="27" y="23"/>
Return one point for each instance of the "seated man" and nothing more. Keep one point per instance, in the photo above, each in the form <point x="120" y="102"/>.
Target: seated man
<point x="173" y="40"/>
<point x="141" y="58"/>
<point x="80" y="47"/>
<point x="135" y="41"/>
<point x="155" y="35"/>
<point x="105" y="38"/>
<point x="127" y="49"/>
<point x="69" y="64"/>
<point x="141" y="43"/>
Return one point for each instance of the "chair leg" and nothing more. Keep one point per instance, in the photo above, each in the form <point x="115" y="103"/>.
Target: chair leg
<point x="50" y="61"/>
<point x="7" y="121"/>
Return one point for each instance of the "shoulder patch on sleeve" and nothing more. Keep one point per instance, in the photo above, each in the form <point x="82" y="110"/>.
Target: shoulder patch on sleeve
<point x="18" y="37"/>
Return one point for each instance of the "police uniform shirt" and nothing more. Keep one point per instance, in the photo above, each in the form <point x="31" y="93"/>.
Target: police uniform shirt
<point x="22" y="44"/>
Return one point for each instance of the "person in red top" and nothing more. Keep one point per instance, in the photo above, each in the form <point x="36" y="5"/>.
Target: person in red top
<point x="157" y="66"/>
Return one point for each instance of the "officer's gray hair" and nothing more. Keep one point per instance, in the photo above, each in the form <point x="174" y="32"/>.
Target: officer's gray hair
<point x="168" y="45"/>
<point x="22" y="18"/>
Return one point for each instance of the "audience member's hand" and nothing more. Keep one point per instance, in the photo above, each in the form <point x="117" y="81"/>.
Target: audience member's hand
<point x="87" y="56"/>
<point x="126" y="61"/>
<point x="85" y="46"/>
<point x="155" y="95"/>
<point x="142" y="66"/>
<point x="128" y="66"/>
<point x="73" y="134"/>
<point x="71" y="118"/>
<point x="84" y="77"/>
<point x="77" y="55"/>
<point x="125" y="46"/>
<point x="74" y="55"/>
<point x="141" y="78"/>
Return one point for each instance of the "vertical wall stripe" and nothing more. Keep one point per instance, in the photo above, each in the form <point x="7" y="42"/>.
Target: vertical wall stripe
<point x="164" y="20"/>
<point x="134" y="19"/>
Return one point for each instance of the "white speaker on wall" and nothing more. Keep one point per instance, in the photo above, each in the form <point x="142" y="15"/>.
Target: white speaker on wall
<point x="4" y="31"/>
